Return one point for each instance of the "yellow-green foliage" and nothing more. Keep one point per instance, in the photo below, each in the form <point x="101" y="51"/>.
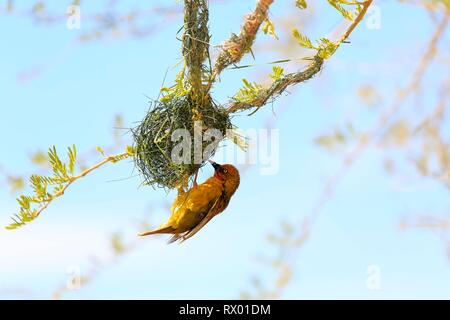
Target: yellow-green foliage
<point x="324" y="47"/>
<point x="62" y="174"/>
<point x="249" y="92"/>
<point x="301" y="4"/>
<point x="47" y="188"/>
<point x="179" y="89"/>
<point x="269" y="28"/>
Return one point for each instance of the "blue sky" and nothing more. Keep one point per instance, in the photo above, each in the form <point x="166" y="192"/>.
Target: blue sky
<point x="83" y="86"/>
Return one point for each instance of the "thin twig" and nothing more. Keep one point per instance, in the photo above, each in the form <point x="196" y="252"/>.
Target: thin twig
<point x="279" y="86"/>
<point x="81" y="175"/>
<point x="367" y="137"/>
<point x="365" y="6"/>
<point x="365" y="140"/>
<point x="238" y="45"/>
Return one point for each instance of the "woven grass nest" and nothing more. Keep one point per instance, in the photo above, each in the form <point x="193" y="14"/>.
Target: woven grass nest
<point x="153" y="138"/>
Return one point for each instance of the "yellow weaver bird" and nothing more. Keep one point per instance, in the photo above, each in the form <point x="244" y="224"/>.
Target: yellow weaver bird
<point x="193" y="209"/>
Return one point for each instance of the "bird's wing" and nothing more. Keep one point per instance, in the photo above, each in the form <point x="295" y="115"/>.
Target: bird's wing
<point x="203" y="197"/>
<point x="190" y="208"/>
<point x="200" y="204"/>
<point x="202" y="223"/>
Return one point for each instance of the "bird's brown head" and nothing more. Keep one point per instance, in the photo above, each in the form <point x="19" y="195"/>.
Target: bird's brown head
<point x="229" y="175"/>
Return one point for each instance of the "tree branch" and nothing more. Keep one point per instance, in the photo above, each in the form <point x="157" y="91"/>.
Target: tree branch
<point x="279" y="86"/>
<point x="195" y="42"/>
<point x="306" y="225"/>
<point x="32" y="207"/>
<point x="234" y="48"/>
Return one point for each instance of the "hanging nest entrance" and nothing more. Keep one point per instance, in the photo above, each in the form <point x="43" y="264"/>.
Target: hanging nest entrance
<point x="155" y="142"/>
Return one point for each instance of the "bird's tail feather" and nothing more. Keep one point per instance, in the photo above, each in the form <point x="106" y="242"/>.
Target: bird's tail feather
<point x="157" y="231"/>
<point x="175" y="238"/>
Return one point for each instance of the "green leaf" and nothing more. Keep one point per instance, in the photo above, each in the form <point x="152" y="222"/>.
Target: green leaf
<point x="72" y="153"/>
<point x="326" y="48"/>
<point x="47" y="188"/>
<point x="249" y="92"/>
<point x="269" y="28"/>
<point x="302" y="39"/>
<point x="130" y="150"/>
<point x="337" y="4"/>
<point x="179" y="89"/>
<point x="301" y="4"/>
<point x="277" y="73"/>
<point x="102" y="152"/>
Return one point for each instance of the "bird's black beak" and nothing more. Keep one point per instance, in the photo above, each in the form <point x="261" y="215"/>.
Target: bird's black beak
<point x="215" y="165"/>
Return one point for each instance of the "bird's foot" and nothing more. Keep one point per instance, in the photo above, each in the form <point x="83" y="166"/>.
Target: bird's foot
<point x="181" y="190"/>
